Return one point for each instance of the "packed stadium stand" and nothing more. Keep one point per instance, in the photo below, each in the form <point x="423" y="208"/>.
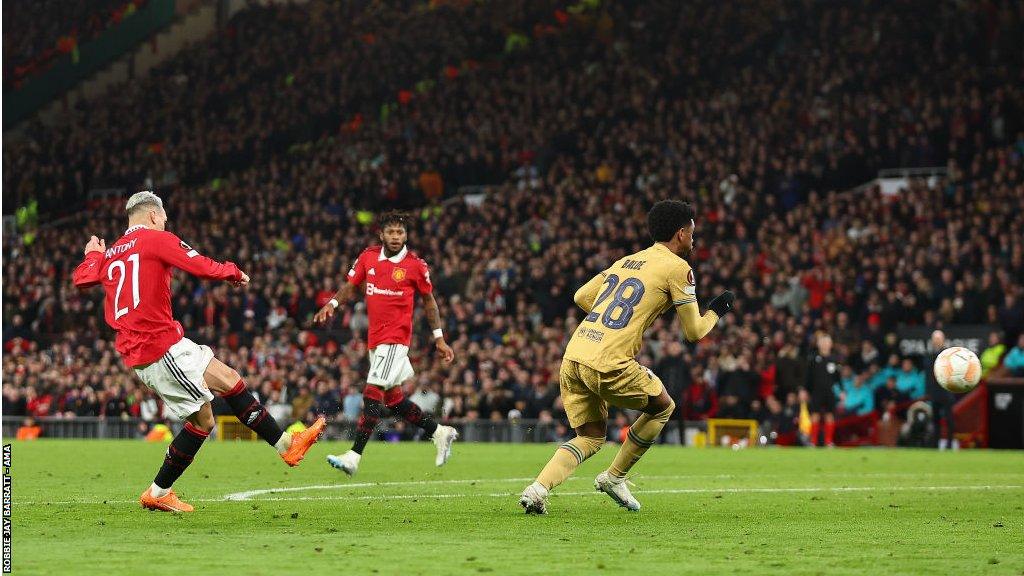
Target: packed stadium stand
<point x="529" y="138"/>
<point x="38" y="31"/>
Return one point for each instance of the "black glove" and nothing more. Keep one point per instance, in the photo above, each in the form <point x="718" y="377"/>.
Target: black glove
<point x="722" y="303"/>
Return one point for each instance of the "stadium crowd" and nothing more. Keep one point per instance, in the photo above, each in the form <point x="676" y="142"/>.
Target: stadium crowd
<point x="37" y="32"/>
<point x="761" y="124"/>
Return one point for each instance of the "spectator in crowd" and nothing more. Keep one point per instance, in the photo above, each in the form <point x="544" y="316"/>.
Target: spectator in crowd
<point x="889" y="397"/>
<point x="278" y="409"/>
<point x="302" y="403"/>
<point x="352" y="405"/>
<point x="328" y="399"/>
<point x="1014" y="360"/>
<point x="856" y="399"/>
<point x="992" y="354"/>
<point x="910" y="380"/>
<point x="675" y="375"/>
<point x="700" y="402"/>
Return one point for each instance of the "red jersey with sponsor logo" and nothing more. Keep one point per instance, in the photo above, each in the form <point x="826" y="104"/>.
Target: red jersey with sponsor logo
<point x="391" y="284"/>
<point x="136" y="276"/>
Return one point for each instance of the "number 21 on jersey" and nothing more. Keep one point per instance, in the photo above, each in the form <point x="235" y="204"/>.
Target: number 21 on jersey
<point x="122" y="271"/>
<point x="627" y="295"/>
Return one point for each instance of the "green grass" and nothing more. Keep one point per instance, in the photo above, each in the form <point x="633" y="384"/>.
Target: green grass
<point x="785" y="511"/>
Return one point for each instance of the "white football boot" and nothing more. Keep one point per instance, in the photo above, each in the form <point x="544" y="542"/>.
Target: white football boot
<point x="347" y="462"/>
<point x="534" y="499"/>
<point x="443" y="438"/>
<point x="616" y="488"/>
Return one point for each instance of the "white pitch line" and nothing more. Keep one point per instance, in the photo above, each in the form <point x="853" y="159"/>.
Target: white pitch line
<point x="250" y="493"/>
<point x="642" y="492"/>
<point x="241" y="496"/>
<point x="656" y="491"/>
<point x="833" y="489"/>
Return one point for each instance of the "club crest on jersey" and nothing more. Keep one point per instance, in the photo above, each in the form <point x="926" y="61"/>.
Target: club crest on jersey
<point x="690" y="288"/>
<point x="398" y="274"/>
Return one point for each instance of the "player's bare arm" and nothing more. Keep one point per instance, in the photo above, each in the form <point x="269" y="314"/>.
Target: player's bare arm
<point x="433" y="314"/>
<point x="343" y="295"/>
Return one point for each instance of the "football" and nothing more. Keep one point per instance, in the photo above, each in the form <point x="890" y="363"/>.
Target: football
<point x="957" y="369"/>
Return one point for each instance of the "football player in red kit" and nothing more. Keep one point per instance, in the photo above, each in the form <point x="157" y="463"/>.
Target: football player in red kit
<point x="135" y="273"/>
<point x="393" y="275"/>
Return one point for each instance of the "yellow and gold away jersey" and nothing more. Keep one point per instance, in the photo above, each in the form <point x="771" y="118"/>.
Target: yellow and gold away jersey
<point x="623" y="301"/>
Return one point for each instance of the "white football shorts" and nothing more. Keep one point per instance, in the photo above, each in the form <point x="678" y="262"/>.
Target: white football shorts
<point x="389" y="365"/>
<point x="178" y="377"/>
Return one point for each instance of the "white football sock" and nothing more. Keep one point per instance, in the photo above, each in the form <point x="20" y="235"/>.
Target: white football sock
<point x="158" y="492"/>
<point x="284" y="442"/>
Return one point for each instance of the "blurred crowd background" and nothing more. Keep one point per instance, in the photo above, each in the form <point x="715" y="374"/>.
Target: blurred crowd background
<point x="529" y="138"/>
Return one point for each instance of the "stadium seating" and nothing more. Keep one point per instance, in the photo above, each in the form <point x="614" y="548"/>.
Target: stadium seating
<point x="759" y="116"/>
<point x="35" y="33"/>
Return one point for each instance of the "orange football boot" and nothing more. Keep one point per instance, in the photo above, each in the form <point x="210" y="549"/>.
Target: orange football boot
<point x="167" y="503"/>
<point x="302" y="442"/>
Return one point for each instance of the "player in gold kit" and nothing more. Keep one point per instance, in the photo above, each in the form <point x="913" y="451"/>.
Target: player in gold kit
<point x="600" y="367"/>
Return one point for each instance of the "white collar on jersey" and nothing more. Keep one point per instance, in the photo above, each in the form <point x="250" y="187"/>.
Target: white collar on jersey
<point x="133" y="229"/>
<point x="396" y="258"/>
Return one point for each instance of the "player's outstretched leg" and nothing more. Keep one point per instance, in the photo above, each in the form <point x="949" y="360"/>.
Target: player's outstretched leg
<point x="588" y="441"/>
<point x="181" y="452"/>
<point x="641" y="436"/>
<point x="373" y="411"/>
<point x="292" y="447"/>
<point x="442" y="436"/>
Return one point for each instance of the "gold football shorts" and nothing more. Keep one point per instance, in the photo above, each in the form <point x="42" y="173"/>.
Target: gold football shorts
<point x="586" y="392"/>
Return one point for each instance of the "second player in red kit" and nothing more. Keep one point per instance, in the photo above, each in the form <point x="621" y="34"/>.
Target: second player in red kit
<point x="393" y="276"/>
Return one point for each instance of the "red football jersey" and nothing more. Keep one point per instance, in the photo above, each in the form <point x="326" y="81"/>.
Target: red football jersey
<point x="391" y="284"/>
<point x="136" y="276"/>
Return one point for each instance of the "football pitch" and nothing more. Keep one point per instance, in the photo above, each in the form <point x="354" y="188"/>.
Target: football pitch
<point x="705" y="511"/>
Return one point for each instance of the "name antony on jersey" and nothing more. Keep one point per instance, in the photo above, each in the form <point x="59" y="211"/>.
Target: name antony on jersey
<point x="121" y="249"/>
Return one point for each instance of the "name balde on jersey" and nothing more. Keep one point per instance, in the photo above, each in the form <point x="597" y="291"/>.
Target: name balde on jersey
<point x="635" y="290"/>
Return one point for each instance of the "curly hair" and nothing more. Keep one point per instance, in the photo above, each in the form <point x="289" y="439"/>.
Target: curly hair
<point x="667" y="217"/>
<point x="393" y="218"/>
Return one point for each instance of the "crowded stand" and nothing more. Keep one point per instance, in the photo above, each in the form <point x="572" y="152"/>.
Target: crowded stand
<point x="765" y="124"/>
<point x="39" y="31"/>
